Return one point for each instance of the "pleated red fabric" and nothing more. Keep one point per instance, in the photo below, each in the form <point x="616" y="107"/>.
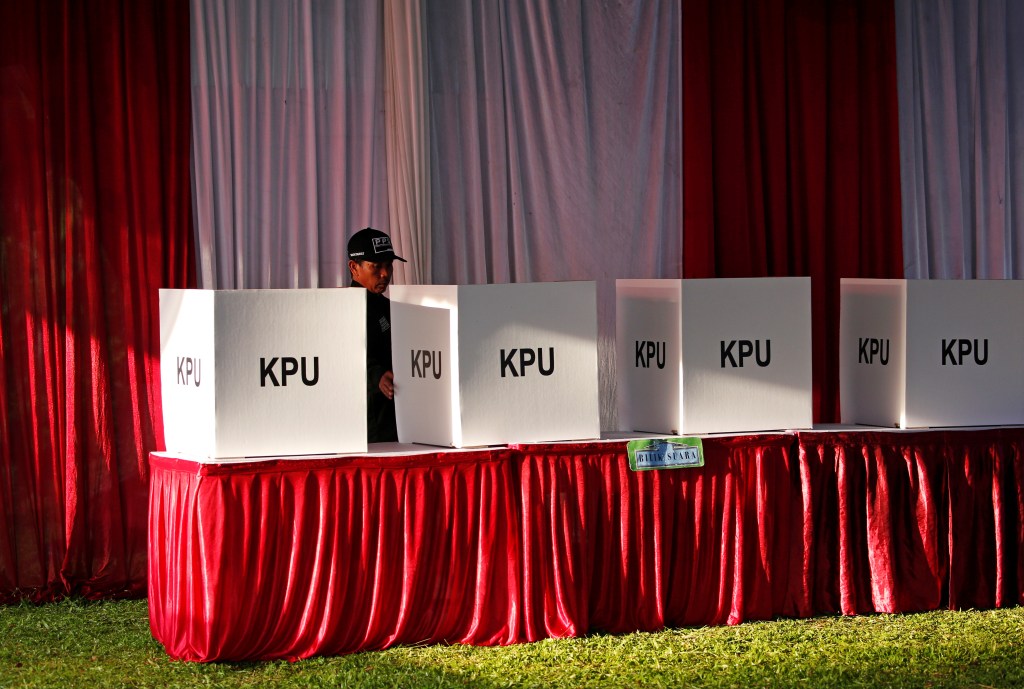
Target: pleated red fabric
<point x="295" y="558"/>
<point x="606" y="548"/>
<point x="906" y="522"/>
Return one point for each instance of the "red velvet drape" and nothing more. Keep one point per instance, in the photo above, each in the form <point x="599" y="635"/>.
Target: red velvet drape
<point x="607" y="548"/>
<point x="95" y="215"/>
<point x="791" y="151"/>
<point x="293" y="558"/>
<point x="906" y="522"/>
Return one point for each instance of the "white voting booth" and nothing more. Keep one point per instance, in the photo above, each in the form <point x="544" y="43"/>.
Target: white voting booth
<point x="711" y="356"/>
<point x="495" y="364"/>
<point x="930" y="353"/>
<point x="249" y="373"/>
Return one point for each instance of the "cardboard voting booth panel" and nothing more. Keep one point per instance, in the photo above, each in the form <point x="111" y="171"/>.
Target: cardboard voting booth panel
<point x="875" y="312"/>
<point x="424" y="380"/>
<point x="248" y="373"/>
<point x="931" y="353"/>
<point x="714" y="356"/>
<point x="495" y="364"/>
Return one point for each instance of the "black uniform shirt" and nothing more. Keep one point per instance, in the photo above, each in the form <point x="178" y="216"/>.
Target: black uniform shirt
<point x="380" y="411"/>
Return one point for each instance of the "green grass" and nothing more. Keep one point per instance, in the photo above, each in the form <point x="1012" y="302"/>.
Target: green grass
<point x="108" y="644"/>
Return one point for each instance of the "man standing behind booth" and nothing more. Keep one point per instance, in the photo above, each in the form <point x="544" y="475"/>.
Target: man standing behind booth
<point x="370" y="259"/>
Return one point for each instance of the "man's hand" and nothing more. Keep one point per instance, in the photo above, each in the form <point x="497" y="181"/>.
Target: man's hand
<point x="387" y="385"/>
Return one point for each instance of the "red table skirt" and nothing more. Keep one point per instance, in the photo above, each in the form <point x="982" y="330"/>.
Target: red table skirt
<point x="295" y="558"/>
<point x="290" y="559"/>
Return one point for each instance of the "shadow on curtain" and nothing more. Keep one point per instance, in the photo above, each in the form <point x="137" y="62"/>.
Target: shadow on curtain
<point x="95" y="215"/>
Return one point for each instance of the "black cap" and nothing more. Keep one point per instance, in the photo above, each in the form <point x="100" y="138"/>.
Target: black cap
<point x="369" y="244"/>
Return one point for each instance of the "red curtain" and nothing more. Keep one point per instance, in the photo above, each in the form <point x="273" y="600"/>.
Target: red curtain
<point x="791" y="151"/>
<point x="95" y="214"/>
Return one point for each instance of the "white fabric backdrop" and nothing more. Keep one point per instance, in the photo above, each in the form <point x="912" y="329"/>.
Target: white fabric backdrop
<point x="961" y="101"/>
<point x="408" y="146"/>
<point x="515" y="141"/>
<point x="288" y="138"/>
<point x="554" y="135"/>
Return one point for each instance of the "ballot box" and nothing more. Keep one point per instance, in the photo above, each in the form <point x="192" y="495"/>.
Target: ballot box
<point x="495" y="364"/>
<point x="714" y="356"/>
<point x="931" y="353"/>
<point x="258" y="372"/>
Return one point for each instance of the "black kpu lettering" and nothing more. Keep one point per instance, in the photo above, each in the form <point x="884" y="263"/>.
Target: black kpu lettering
<point x="289" y="367"/>
<point x="648" y="352"/>
<point x="744" y="350"/>
<point x="527" y="357"/>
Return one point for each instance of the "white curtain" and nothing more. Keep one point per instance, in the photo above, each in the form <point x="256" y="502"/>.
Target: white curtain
<point x="288" y="138"/>
<point x="556" y="139"/>
<point x="960" y="69"/>
<point x="407" y="139"/>
<point x="495" y="141"/>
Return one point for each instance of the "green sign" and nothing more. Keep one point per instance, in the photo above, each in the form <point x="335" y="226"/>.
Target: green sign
<point x="665" y="453"/>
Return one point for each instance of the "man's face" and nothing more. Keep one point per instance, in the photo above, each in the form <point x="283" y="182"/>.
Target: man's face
<point x="373" y="276"/>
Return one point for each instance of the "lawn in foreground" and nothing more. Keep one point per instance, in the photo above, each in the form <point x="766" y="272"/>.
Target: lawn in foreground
<point x="108" y="644"/>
